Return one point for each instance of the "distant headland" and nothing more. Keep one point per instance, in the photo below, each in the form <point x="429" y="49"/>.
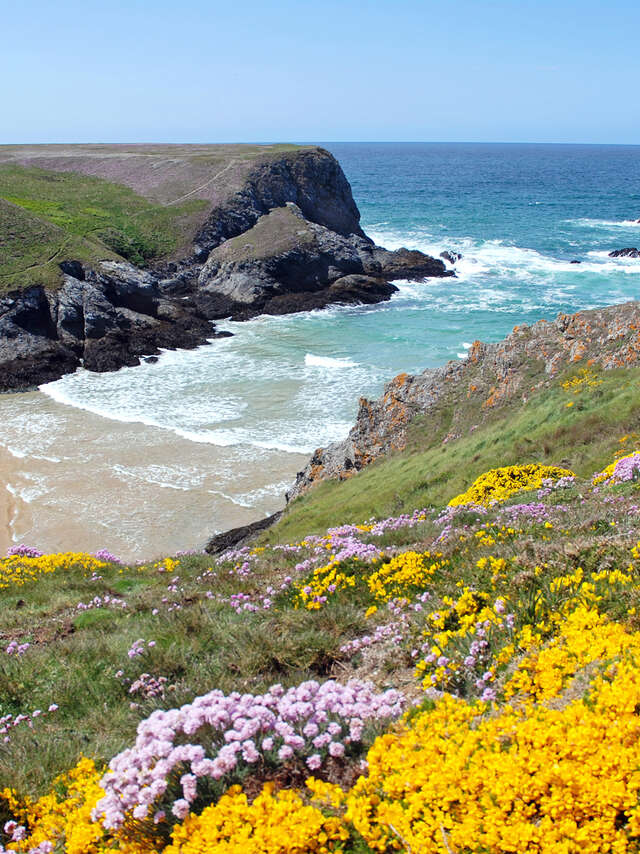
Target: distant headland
<point x="110" y="252"/>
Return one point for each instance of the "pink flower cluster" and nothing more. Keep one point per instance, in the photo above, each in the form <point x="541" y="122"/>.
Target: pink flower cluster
<point x="9" y="722"/>
<point x="627" y="468"/>
<point x="549" y="485"/>
<point x="24" y="551"/>
<point x="252" y="602"/>
<point x="105" y="601"/>
<point x="15" y="648"/>
<point x="106" y="556"/>
<point x="138" y="647"/>
<point x="18" y="833"/>
<point x="219" y="736"/>
<point x="148" y="686"/>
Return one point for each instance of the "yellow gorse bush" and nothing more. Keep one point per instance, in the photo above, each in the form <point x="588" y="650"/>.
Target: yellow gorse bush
<point x="17" y="570"/>
<point x="538" y="778"/>
<point x="584" y="379"/>
<point x="325" y="581"/>
<point x="403" y="572"/>
<point x="275" y="823"/>
<point x="62" y="817"/>
<point x="501" y="483"/>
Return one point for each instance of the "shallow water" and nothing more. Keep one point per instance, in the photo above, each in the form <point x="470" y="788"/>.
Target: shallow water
<point x="79" y="481"/>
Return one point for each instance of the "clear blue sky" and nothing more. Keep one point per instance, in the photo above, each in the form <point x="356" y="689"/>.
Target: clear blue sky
<point x="266" y="70"/>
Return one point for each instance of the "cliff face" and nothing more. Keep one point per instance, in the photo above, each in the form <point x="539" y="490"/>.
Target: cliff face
<point x="310" y="178"/>
<point x="102" y="320"/>
<point x="275" y="229"/>
<point x="492" y="376"/>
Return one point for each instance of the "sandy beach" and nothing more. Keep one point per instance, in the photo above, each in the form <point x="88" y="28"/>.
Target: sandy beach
<point x="8" y="508"/>
<point x="72" y="480"/>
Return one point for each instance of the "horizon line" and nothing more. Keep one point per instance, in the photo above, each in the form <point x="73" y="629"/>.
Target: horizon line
<point x="334" y="142"/>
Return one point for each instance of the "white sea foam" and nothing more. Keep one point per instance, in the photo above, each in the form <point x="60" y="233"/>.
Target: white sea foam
<point x="21" y="454"/>
<point x="16" y="453"/>
<point x="492" y="259"/>
<point x="327" y="362"/>
<point x="35" y="488"/>
<point x="273" y="490"/>
<point x="604" y="223"/>
<point x="177" y="477"/>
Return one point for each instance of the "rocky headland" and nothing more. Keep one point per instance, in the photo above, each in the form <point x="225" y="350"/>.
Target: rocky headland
<point x="235" y="231"/>
<point x="460" y="396"/>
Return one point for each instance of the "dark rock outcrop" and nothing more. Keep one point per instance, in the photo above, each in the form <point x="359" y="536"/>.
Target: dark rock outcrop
<point x="237" y="537"/>
<point x="310" y="178"/>
<point x="471" y="389"/>
<point x="286" y="263"/>
<point x="451" y="256"/>
<point x="630" y="252"/>
<point x="102" y="320"/>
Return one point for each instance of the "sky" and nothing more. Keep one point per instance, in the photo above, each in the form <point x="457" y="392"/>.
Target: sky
<point x="337" y="70"/>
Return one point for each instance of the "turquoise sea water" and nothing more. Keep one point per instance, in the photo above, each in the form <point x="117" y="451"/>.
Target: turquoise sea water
<point x="519" y="214"/>
<point x="281" y="387"/>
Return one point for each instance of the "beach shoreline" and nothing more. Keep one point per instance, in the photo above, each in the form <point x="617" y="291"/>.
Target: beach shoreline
<point x="71" y="480"/>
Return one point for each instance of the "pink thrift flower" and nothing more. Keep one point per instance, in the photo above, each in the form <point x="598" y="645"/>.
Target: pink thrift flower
<point x="314" y="762"/>
<point x="180" y="808"/>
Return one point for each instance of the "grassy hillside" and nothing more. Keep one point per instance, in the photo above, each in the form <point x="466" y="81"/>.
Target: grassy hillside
<point x="574" y="421"/>
<point x="48" y="217"/>
<point x="91" y="202"/>
<point x="508" y="621"/>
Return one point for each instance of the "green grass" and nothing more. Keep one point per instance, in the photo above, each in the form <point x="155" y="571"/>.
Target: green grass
<point x="75" y="656"/>
<point x="48" y="217"/>
<point x="279" y="232"/>
<point x="582" y="438"/>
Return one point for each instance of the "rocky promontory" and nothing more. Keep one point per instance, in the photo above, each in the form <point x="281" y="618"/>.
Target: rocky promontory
<point x="174" y="237"/>
<point x="463" y="394"/>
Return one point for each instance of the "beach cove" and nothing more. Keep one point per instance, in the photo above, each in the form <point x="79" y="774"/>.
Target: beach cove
<point x="158" y="457"/>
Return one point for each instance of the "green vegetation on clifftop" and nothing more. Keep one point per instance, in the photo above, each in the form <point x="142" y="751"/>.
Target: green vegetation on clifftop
<point x="581" y="435"/>
<point x="49" y="217"/>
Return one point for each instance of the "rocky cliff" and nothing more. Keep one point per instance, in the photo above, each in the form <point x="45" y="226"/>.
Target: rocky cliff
<point x="461" y="395"/>
<point x="246" y="229"/>
<point x="102" y="320"/>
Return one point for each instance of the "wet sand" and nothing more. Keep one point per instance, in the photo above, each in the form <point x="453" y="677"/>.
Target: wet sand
<point x="8" y="509"/>
<point x="72" y="480"/>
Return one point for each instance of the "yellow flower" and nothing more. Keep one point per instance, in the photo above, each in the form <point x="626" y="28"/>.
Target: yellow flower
<point x="501" y="483"/>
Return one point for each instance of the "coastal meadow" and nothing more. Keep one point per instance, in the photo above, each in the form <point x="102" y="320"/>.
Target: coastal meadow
<point x="459" y="678"/>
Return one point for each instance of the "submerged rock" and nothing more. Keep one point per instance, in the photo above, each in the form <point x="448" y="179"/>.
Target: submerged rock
<point x="630" y="252"/>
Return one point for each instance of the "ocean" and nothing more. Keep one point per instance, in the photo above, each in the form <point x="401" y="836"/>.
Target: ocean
<point x="157" y="457"/>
